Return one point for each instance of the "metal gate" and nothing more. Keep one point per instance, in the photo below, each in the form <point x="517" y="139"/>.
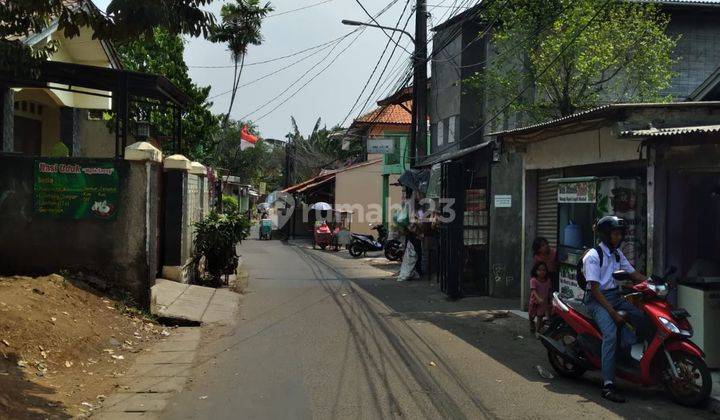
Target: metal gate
<point x="452" y="190"/>
<point x="547" y="208"/>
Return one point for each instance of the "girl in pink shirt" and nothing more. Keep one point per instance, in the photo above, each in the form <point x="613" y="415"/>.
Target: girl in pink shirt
<point x="540" y="288"/>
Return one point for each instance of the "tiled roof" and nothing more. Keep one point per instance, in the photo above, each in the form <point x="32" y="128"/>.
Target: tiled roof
<point x="389" y="114"/>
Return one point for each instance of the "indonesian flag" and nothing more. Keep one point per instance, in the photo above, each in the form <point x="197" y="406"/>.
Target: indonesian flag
<point x="246" y="139"/>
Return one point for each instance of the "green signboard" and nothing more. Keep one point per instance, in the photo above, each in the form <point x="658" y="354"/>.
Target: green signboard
<point x="81" y="189"/>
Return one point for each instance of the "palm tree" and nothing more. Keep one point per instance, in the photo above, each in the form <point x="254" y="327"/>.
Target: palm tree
<point x="240" y="28"/>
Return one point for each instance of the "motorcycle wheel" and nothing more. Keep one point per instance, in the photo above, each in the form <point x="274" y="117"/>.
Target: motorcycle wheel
<point x="356" y="250"/>
<point x="392" y="251"/>
<point x="568" y="337"/>
<point x="695" y="384"/>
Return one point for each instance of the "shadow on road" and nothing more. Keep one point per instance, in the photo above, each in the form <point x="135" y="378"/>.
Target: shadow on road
<point x="507" y="340"/>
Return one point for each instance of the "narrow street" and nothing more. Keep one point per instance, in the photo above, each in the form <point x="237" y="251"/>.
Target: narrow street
<point x="324" y="336"/>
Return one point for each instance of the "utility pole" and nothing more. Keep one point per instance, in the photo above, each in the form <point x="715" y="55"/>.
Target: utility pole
<point x="288" y="150"/>
<point x="418" y="135"/>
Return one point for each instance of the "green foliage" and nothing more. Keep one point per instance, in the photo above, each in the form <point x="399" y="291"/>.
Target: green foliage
<point x="317" y="151"/>
<point x="123" y="20"/>
<point x="240" y="28"/>
<point x="262" y="163"/>
<point x="216" y="237"/>
<point x="230" y="204"/>
<point x="161" y="53"/>
<point x="571" y="55"/>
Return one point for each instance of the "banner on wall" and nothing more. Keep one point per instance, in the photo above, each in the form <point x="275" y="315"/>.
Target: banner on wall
<point x="80" y="189"/>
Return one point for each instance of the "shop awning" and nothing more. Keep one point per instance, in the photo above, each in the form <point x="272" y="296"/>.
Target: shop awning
<point x="671" y="131"/>
<point x="454" y="154"/>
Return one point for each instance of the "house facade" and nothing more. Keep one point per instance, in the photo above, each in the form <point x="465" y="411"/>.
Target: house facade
<point x="385" y="131"/>
<point x="77" y="196"/>
<point x="461" y="121"/>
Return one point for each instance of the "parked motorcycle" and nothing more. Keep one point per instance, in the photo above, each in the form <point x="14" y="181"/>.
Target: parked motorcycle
<point x="574" y="342"/>
<point x="360" y="244"/>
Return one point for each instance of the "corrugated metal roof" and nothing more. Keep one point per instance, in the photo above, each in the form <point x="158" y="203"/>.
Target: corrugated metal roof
<point x="671" y="131"/>
<point x="602" y="111"/>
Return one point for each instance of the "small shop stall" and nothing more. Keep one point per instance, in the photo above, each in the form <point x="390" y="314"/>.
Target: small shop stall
<point x="583" y="200"/>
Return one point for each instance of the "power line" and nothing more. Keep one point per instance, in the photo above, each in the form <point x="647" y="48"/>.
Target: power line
<point x="372" y="92"/>
<point x="372" y="74"/>
<point x="277" y="58"/>
<point x="272" y="73"/>
<point x="378" y="23"/>
<point x="299" y="9"/>
<point x="309" y="81"/>
<point x="358" y="30"/>
<point x="542" y="72"/>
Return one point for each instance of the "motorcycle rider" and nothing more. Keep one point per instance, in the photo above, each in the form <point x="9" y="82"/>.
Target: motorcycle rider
<point x="603" y="299"/>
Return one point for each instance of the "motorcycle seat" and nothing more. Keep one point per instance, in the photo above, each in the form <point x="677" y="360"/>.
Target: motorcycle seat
<point x="579" y="307"/>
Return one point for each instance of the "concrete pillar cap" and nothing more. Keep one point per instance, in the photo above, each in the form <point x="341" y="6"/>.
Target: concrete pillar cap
<point x="177" y="162"/>
<point x="141" y="151"/>
<point x="197" y="168"/>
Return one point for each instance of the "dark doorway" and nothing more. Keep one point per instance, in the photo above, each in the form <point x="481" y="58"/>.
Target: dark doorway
<point x="28" y="136"/>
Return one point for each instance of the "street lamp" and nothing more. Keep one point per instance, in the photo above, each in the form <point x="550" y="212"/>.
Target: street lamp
<point x="418" y="129"/>
<point x="389" y="28"/>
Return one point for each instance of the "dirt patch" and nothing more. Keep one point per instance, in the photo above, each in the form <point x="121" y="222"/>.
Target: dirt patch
<point x="64" y="346"/>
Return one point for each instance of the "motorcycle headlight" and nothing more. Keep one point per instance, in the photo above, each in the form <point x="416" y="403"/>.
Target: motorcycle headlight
<point x="669" y="325"/>
<point x="660" y="290"/>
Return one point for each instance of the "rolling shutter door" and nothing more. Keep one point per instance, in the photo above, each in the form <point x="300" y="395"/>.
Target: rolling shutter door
<point x="547" y="224"/>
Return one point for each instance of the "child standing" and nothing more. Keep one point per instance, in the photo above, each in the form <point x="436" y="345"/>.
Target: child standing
<point x="540" y="288"/>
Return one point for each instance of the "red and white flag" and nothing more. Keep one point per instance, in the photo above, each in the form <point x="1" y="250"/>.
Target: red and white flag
<point x="246" y="139"/>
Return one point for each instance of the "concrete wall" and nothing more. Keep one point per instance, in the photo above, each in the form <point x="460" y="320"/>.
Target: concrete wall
<point x="697" y="51"/>
<point x="585" y="148"/>
<point x="446" y="90"/>
<point x="360" y="190"/>
<point x="505" y="238"/>
<point x="122" y="251"/>
<point x="96" y="140"/>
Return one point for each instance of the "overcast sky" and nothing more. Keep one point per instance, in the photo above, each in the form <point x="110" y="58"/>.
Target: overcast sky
<point x="329" y="96"/>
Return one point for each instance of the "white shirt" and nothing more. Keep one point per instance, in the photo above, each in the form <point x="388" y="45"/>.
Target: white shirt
<point x="603" y="275"/>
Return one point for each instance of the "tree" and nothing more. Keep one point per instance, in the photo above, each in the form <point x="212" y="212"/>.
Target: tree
<point x="123" y="20"/>
<point x="160" y="52"/>
<point x="563" y="56"/>
<point x="240" y="28"/>
<point x="261" y="163"/>
<point x="318" y="151"/>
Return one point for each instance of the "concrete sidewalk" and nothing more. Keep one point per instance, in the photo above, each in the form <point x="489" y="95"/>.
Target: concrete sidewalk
<point x="192" y="303"/>
<point x="154" y="378"/>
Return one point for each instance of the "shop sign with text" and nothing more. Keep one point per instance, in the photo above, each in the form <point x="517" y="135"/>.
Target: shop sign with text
<point x="577" y="192"/>
<point x="76" y="189"/>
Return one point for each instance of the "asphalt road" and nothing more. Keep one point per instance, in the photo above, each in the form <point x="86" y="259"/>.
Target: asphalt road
<point x="340" y="343"/>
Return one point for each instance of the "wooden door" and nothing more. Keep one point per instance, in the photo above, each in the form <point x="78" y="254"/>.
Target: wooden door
<point x="27" y="136"/>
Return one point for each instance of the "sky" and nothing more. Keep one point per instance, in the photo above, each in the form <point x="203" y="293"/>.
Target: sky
<point x="333" y="92"/>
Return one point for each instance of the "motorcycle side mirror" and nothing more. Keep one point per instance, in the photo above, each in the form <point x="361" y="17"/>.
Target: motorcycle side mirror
<point x="621" y="275"/>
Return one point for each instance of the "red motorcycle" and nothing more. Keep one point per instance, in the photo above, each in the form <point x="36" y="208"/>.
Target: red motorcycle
<point x="574" y="343"/>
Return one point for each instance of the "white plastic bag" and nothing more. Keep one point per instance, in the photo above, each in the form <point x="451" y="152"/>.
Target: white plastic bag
<point x="407" y="268"/>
